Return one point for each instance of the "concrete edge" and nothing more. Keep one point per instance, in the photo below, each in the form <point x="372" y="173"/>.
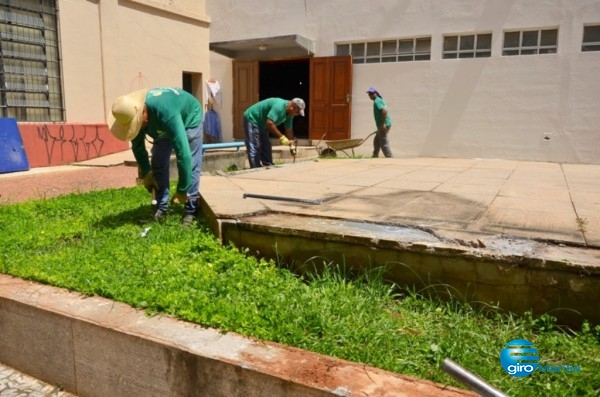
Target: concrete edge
<point x="516" y="279"/>
<point x="93" y="346"/>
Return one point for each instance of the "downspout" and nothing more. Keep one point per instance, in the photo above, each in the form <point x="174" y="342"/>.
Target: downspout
<point x="103" y="78"/>
<point x="60" y="65"/>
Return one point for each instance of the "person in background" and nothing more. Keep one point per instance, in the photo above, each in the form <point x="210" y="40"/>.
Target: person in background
<point x="262" y="119"/>
<point x="172" y="119"/>
<point x="383" y="123"/>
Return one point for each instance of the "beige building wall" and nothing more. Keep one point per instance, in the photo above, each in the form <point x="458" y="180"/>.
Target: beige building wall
<point x="111" y="47"/>
<point x="528" y="107"/>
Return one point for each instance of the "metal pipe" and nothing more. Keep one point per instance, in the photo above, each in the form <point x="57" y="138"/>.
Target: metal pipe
<point x="280" y="198"/>
<point x="467" y="378"/>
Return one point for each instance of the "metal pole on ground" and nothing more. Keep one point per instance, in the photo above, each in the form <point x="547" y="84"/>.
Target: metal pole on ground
<point x="470" y="379"/>
<point x="280" y="198"/>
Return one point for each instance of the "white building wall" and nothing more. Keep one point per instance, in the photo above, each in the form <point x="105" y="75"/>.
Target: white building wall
<point x="530" y="107"/>
<point x="109" y="48"/>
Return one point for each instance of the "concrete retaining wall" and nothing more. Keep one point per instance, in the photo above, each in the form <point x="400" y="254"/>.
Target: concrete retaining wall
<point x="516" y="283"/>
<point x="96" y="347"/>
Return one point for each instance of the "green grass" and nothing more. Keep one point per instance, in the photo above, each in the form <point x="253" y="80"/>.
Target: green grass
<point x="92" y="243"/>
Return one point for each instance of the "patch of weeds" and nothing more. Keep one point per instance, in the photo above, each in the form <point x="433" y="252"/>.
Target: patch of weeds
<point x="92" y="243"/>
<point x="358" y="156"/>
<point x="581" y="224"/>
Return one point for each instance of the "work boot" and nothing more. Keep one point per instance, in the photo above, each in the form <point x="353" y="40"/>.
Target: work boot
<point x="188" y="219"/>
<point x="159" y="215"/>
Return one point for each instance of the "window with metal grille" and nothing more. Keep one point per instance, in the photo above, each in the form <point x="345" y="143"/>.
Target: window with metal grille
<point x="467" y="46"/>
<point x="591" y="38"/>
<point x="530" y="42"/>
<point x="30" y="79"/>
<point x="394" y="50"/>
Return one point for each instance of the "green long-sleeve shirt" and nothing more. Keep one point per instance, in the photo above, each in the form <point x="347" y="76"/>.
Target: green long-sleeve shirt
<point x="171" y="111"/>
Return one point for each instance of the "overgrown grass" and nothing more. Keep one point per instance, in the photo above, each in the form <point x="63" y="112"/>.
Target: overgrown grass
<point x="92" y="243"/>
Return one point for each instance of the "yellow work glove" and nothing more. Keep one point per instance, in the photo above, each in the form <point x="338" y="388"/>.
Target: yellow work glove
<point x="179" y="198"/>
<point x="284" y="141"/>
<point x="149" y="182"/>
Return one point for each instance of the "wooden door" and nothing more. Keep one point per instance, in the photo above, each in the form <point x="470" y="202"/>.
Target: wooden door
<point x="245" y="92"/>
<point x="330" y="98"/>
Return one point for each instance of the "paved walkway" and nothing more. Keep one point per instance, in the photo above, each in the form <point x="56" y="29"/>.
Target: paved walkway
<point x="16" y="384"/>
<point x="455" y="198"/>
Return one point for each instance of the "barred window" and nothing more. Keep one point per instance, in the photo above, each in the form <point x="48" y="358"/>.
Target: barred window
<point x="591" y="38"/>
<point x="467" y="46"/>
<point x="393" y="50"/>
<point x="530" y="42"/>
<point x="30" y="80"/>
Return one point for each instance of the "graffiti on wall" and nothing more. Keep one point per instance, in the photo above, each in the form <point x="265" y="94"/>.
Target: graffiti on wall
<point x="57" y="144"/>
<point x="74" y="142"/>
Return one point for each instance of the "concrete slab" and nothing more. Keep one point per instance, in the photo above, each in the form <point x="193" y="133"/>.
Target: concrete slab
<point x="523" y="215"/>
<point x="478" y="196"/>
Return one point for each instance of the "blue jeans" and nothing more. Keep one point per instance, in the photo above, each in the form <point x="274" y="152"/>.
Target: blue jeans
<point x="258" y="145"/>
<point x="160" y="162"/>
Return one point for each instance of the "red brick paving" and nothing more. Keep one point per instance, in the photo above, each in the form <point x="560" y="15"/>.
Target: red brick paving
<point x="24" y="186"/>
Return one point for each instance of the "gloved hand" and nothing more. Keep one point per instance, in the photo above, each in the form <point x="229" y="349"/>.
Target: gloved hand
<point x="149" y="182"/>
<point x="284" y="141"/>
<point x="179" y="198"/>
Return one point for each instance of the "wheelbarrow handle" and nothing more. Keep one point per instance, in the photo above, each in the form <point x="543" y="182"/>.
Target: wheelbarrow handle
<point x="318" y="143"/>
<point x="323" y="137"/>
<point x="367" y="137"/>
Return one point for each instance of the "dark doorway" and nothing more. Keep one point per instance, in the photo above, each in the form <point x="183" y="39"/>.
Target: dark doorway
<point x="186" y="82"/>
<point x="287" y="80"/>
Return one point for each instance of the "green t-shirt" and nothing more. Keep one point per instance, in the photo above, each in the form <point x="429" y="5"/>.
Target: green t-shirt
<point x="171" y="111"/>
<point x="378" y="106"/>
<point x="272" y="108"/>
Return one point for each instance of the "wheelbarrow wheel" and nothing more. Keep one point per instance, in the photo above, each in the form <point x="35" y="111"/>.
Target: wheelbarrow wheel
<point x="328" y="152"/>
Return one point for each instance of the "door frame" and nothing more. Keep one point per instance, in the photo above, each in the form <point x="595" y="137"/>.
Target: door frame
<point x="329" y="103"/>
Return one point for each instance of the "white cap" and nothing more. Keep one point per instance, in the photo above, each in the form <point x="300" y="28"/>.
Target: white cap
<point x="300" y="103"/>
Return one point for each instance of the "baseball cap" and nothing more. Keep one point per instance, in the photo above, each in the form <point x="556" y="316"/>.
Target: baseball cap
<point x="372" y="90"/>
<point x="300" y="103"/>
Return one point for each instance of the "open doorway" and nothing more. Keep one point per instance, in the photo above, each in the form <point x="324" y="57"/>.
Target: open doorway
<point x="287" y="80"/>
<point x="192" y="83"/>
<point x="325" y="84"/>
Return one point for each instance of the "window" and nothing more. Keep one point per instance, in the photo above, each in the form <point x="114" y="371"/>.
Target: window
<point x="414" y="49"/>
<point x="467" y="46"/>
<point x="591" y="38"/>
<point x="30" y="81"/>
<point x="528" y="42"/>
<point x="396" y="50"/>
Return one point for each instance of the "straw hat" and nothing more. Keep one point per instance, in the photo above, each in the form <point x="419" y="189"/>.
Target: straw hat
<point x="125" y="118"/>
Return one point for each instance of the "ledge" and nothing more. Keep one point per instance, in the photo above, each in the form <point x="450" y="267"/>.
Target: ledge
<point x="92" y="346"/>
